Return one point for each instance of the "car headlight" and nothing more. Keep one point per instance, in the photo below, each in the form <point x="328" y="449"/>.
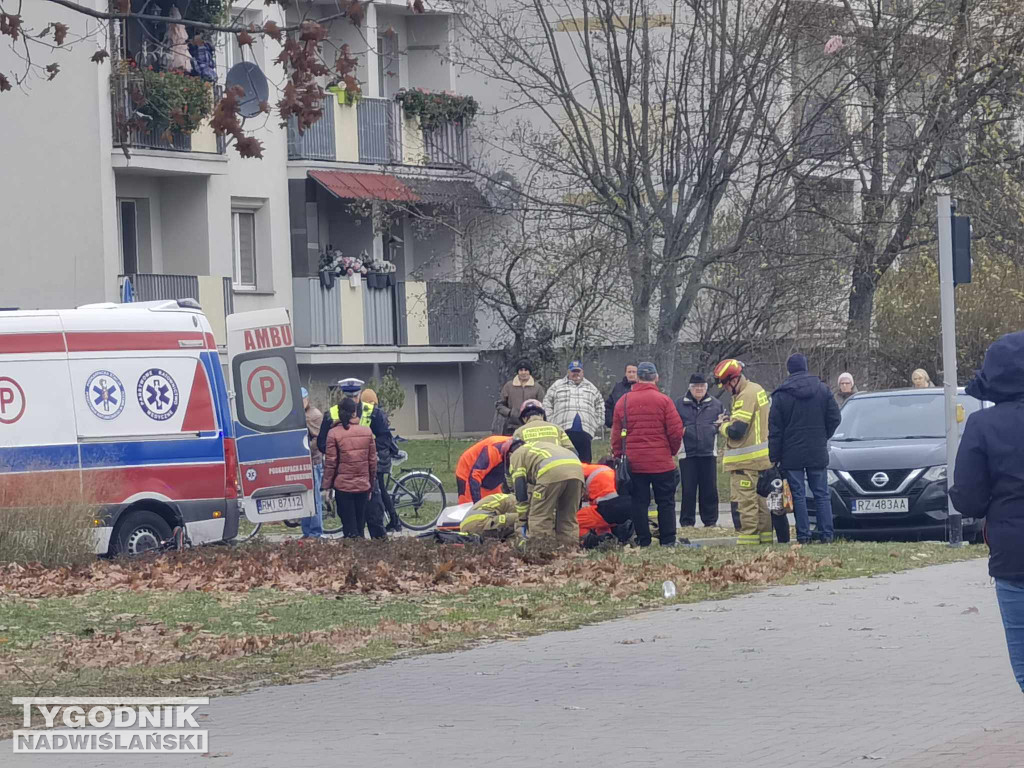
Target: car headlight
<point x="935" y="473"/>
<point x="833" y="478"/>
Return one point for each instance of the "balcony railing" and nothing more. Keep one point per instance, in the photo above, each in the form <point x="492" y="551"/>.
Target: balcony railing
<point x="451" y="314"/>
<point x="126" y="120"/>
<point x="317" y="141"/>
<point x="333" y="317"/>
<point x="380" y="131"/>
<point x="150" y="287"/>
<point x="446" y="145"/>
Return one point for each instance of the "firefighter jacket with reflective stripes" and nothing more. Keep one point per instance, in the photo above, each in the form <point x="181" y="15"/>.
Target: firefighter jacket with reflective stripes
<point x="599" y="483"/>
<point x="750" y="406"/>
<point x="480" y="469"/>
<point x="536" y="430"/>
<point x="540" y="464"/>
<point x="496" y="505"/>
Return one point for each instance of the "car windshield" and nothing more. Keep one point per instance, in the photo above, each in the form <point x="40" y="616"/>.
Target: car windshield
<point x="898" y="417"/>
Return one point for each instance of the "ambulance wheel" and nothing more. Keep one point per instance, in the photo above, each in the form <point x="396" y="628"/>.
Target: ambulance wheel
<point x="140" y="532"/>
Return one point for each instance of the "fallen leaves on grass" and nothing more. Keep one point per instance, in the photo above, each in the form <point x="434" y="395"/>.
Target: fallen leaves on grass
<point x="398" y="567"/>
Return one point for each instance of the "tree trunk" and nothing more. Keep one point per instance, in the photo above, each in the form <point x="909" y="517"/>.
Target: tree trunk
<point x="858" y="329"/>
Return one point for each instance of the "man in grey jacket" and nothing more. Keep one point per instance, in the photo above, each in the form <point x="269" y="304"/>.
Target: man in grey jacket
<point x="698" y="458"/>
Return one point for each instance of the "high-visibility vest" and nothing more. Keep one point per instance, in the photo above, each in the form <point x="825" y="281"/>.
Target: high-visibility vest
<point x="750" y="406"/>
<point x="599" y="483"/>
<point x="367" y="413"/>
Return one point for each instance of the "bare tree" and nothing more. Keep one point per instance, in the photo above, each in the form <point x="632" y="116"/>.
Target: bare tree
<point x="648" y="115"/>
<point x="899" y="99"/>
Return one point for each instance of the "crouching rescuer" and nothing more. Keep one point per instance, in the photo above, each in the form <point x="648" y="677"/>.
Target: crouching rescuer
<point x="547" y="481"/>
<point x="493" y="517"/>
<point x="745" y="431"/>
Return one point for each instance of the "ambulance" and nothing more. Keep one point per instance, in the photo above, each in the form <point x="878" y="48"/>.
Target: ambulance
<point x="127" y="406"/>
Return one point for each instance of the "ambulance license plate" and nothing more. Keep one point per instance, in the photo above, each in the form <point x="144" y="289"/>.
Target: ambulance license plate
<point x="876" y="506"/>
<point x="279" y="504"/>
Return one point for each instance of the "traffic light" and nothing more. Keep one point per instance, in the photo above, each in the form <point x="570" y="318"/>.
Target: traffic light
<point x="961" y="226"/>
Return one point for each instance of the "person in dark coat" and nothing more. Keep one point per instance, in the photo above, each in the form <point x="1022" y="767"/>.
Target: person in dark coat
<point x="698" y="458"/>
<point x="988" y="480"/>
<point x="620" y="388"/>
<point x="374" y="417"/>
<point x="803" y="418"/>
<point x="649" y="424"/>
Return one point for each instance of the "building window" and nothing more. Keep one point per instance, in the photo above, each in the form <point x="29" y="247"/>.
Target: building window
<point x="128" y="236"/>
<point x="243" y="246"/>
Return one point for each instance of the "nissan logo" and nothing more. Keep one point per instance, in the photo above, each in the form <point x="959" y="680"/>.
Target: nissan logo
<point x="879" y="479"/>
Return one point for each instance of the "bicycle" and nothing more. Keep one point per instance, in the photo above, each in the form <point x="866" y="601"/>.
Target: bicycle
<point x="418" y="495"/>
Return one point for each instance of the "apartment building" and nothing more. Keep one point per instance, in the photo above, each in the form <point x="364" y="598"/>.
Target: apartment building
<point x="92" y="199"/>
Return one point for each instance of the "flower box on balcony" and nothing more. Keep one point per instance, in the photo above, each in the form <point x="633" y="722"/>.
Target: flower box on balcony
<point x="345" y="97"/>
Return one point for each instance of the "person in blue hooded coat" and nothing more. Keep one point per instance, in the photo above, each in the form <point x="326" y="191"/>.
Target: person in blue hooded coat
<point x="988" y="480"/>
<point x="803" y="417"/>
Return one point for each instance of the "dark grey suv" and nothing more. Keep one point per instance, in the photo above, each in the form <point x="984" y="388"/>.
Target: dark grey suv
<point x="887" y="465"/>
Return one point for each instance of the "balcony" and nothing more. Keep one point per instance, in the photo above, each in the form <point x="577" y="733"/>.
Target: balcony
<point x="124" y="92"/>
<point x="214" y="294"/>
<point x="377" y="132"/>
<point x="405" y="314"/>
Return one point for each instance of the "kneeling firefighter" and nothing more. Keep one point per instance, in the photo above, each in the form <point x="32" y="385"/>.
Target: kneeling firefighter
<point x="548" y="483"/>
<point x="745" y="430"/>
<point x="493" y="517"/>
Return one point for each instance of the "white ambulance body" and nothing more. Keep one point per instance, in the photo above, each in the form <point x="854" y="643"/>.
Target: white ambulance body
<point x="126" y="406"/>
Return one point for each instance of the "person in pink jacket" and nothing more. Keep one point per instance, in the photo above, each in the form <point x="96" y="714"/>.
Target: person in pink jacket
<point x="350" y="468"/>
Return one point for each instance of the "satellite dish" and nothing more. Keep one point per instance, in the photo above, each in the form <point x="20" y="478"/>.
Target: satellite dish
<point x="250" y="78"/>
<point x="501" y="190"/>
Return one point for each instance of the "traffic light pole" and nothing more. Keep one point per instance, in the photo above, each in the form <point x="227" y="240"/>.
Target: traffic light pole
<point x="955" y="523"/>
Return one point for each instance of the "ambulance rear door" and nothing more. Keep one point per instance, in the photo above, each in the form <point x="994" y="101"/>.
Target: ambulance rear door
<point x="269" y="420"/>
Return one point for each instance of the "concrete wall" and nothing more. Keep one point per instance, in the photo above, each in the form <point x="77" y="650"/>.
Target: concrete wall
<point x="57" y="190"/>
<point x="443" y="392"/>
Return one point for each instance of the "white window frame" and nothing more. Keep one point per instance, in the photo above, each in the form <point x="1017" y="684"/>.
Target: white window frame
<point x="120" y="233"/>
<point x="236" y="255"/>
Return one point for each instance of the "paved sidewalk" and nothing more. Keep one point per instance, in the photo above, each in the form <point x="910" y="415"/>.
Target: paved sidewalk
<point x="906" y="670"/>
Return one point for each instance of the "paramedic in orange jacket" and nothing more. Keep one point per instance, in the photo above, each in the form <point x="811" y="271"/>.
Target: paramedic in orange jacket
<point x="607" y="509"/>
<point x="480" y="470"/>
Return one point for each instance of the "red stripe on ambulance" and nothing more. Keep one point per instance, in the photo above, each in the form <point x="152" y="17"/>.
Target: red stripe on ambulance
<point x="133" y="340"/>
<point x="21" y="343"/>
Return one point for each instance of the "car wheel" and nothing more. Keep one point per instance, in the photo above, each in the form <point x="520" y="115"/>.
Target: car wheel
<point x="141" y="531"/>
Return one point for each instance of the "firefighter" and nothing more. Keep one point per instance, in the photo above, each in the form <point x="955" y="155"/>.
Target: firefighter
<point x="480" y="470"/>
<point x="493" y="517"/>
<point x="745" y="430"/>
<point x="548" y="484"/>
<point x="536" y="429"/>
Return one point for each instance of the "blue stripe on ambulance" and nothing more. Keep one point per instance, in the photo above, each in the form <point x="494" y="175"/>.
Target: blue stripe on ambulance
<point x="254" y="446"/>
<point x="130" y="453"/>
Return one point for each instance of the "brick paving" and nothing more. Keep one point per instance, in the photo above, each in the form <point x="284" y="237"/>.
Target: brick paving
<point x="896" y="670"/>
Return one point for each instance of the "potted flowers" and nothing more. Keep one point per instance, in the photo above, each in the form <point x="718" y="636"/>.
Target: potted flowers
<point x="381" y="274"/>
<point x="435" y="108"/>
<point x="334" y="265"/>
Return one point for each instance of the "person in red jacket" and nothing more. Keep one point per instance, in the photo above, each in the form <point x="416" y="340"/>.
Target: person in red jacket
<point x="480" y="470"/>
<point x="647" y="423"/>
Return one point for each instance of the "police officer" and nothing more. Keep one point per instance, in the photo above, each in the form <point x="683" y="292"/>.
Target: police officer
<point x="745" y="430"/>
<point x="348" y="388"/>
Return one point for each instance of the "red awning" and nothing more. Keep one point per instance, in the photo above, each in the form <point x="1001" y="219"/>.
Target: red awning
<point x="364" y="186"/>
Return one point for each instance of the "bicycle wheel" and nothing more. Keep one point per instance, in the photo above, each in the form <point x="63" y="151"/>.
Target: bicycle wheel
<point x="419" y="498"/>
<point x="332" y="520"/>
